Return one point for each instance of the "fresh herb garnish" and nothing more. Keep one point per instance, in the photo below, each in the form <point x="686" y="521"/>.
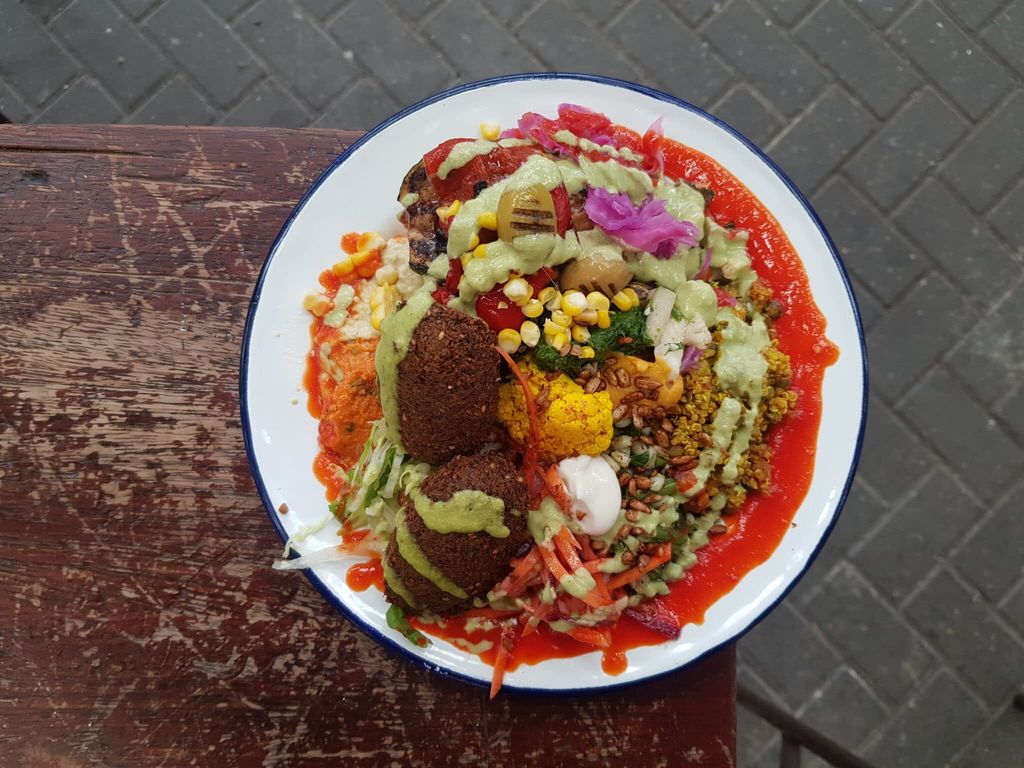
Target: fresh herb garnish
<point x="398" y="621"/>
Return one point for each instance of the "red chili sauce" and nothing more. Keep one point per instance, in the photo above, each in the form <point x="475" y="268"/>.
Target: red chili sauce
<point x="755" y="532"/>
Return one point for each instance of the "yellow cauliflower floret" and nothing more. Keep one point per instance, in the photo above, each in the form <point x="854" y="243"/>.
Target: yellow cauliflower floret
<point x="571" y="422"/>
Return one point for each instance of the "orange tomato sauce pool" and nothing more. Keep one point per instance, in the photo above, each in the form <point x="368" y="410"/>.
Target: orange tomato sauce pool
<point x="755" y="532"/>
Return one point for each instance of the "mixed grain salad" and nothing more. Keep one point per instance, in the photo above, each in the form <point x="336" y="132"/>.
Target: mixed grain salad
<point x="543" y="399"/>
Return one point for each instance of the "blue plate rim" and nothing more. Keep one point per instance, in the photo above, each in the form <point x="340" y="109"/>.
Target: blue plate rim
<point x="397" y="646"/>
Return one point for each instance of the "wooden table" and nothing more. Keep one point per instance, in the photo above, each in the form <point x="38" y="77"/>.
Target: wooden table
<point x="140" y="622"/>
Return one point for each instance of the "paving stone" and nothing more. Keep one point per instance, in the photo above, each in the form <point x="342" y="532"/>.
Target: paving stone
<point x="82" y="102"/>
<point x="745" y="112"/>
<point x="204" y="48"/>
<point x="992" y="158"/>
<point x="846" y="711"/>
<point x="933" y="727"/>
<point x="757" y="740"/>
<point x="1001" y="743"/>
<point x="268" y="104"/>
<point x="917" y="536"/>
<point x="869" y="634"/>
<point x="986" y="457"/>
<point x="963" y="628"/>
<point x="29" y="58"/>
<point x="910" y="143"/>
<point x="484" y="49"/>
<point x="414" y="9"/>
<point x="871" y="248"/>
<point x="961" y="67"/>
<point x="674" y="56"/>
<point x="821" y="139"/>
<point x="691" y="10"/>
<point x="127" y="64"/>
<point x="881" y="12"/>
<point x="176" y="103"/>
<point x="892" y="460"/>
<point x="955" y="237"/>
<point x="586" y="50"/>
<point x="359" y="109"/>
<point x="765" y="55"/>
<point x="510" y="12"/>
<point x="1005" y="34"/>
<point x="11" y="105"/>
<point x="43" y="9"/>
<point x="366" y="19"/>
<point x="1008" y="218"/>
<point x="788" y="11"/>
<point x="136" y="8"/>
<point x="983" y="557"/>
<point x="322" y="8"/>
<point x="915" y="333"/>
<point x="789" y="655"/>
<point x="298" y="49"/>
<point x="1013" y="608"/>
<point x="1011" y="411"/>
<point x="870" y="309"/>
<point x="991" y="359"/>
<point x="859" y="56"/>
<point x="972" y="12"/>
<point x="226" y="8"/>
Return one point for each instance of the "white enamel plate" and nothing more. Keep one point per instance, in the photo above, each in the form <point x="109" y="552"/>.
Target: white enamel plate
<point x="357" y="193"/>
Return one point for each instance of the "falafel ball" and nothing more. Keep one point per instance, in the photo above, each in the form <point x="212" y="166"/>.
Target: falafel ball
<point x="447" y="386"/>
<point x="473" y="562"/>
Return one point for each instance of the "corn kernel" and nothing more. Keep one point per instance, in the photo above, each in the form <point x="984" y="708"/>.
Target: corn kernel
<point x="343" y="267"/>
<point x="551" y="328"/>
<point x="386" y="275"/>
<point x="548" y="294"/>
<point x="488" y="220"/>
<point x="376" y="296"/>
<point x="361" y="257"/>
<point x="465" y="259"/>
<point x="317" y="304"/>
<point x="533" y="308"/>
<point x="560" y="318"/>
<point x="490" y="130"/>
<point x="573" y="302"/>
<point x="580" y="333"/>
<point x="480" y="251"/>
<point x="509" y="340"/>
<point x="474" y="241"/>
<point x="597" y="300"/>
<point x="445" y="212"/>
<point x="377" y="317"/>
<point x="587" y="353"/>
<point x="587" y="317"/>
<point x="622" y="301"/>
<point x="530" y="333"/>
<point x="370" y="241"/>
<point x="518" y="290"/>
<point x="604" y="320"/>
<point x="631" y="295"/>
<point x="559" y="340"/>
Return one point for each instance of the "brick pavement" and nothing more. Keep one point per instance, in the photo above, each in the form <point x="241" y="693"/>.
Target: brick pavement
<point x="902" y="119"/>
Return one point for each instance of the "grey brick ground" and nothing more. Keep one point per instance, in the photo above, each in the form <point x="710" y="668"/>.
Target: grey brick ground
<point x="904" y="119"/>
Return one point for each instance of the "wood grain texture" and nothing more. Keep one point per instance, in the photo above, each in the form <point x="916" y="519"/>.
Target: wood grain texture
<point x="140" y="623"/>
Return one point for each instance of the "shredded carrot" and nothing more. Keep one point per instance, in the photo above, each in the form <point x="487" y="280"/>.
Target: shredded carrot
<point x="524" y="573"/>
<point x="554" y="565"/>
<point x="586" y="550"/>
<point x="602" y="586"/>
<point x="557" y="489"/>
<point x="531" y="470"/>
<point x="564" y="542"/>
<point x="602" y="638"/>
<point x="628" y="577"/>
<point x="505" y="650"/>
<point x="594" y="566"/>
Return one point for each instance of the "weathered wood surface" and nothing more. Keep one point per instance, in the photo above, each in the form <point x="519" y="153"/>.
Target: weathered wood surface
<point x="140" y="623"/>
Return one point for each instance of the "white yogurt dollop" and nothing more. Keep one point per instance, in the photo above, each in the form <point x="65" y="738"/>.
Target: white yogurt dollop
<point x="594" y="490"/>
